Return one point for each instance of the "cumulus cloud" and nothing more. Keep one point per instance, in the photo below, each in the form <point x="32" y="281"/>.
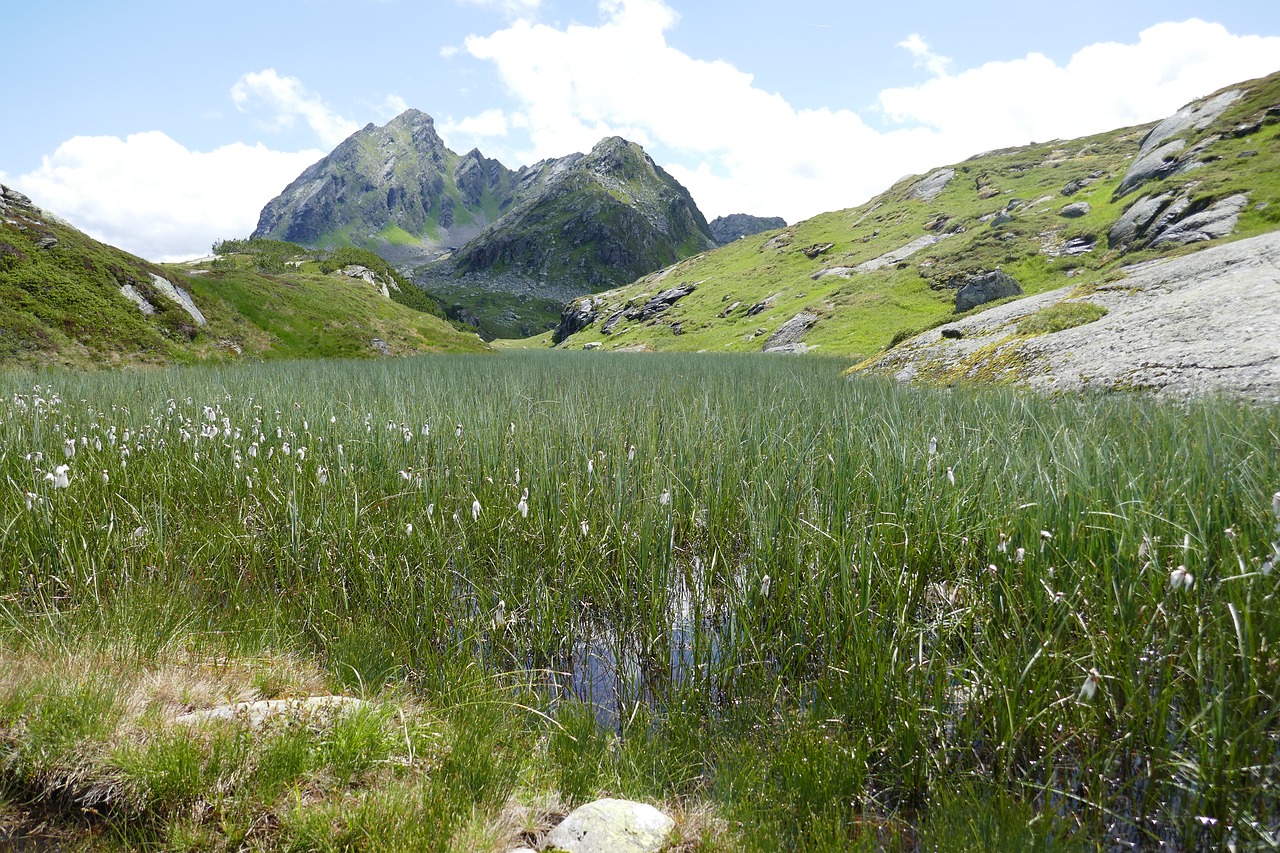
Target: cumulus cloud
<point x="740" y="148"/>
<point x="287" y="100"/>
<point x="924" y="55"/>
<point x="1102" y="86"/>
<point x="489" y="124"/>
<point x="153" y="197"/>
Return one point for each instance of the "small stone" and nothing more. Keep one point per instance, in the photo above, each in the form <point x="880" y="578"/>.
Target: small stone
<point x="1075" y="211"/>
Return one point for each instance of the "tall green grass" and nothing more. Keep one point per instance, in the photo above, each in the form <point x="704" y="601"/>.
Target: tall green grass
<point x="910" y="674"/>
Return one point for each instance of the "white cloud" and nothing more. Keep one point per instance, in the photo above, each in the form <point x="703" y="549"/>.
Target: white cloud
<point x="153" y="197"/>
<point x="489" y="124"/>
<point x="288" y="99"/>
<point x="392" y="106"/>
<point x="925" y="57"/>
<point x="1102" y="86"/>
<point x="740" y="148"/>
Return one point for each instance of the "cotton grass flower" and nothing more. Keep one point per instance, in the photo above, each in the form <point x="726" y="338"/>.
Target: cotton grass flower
<point x="1090" y="687"/>
<point x="59" y="478"/>
<point x="1180" y="578"/>
<point x="664" y="498"/>
<point x="475" y="510"/>
<point x="765" y="584"/>
<point x="523" y="506"/>
<point x="584" y="527"/>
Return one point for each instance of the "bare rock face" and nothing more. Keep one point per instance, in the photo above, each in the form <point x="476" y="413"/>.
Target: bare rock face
<point x="790" y="334"/>
<point x="929" y="188"/>
<point x="577" y="315"/>
<point x="1160" y="153"/>
<point x="1170" y="219"/>
<point x="611" y="826"/>
<point x="1217" y="221"/>
<point x="1208" y="322"/>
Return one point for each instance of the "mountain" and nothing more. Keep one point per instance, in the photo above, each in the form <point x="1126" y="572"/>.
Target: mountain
<point x="735" y="226"/>
<point x="67" y="299"/>
<point x="504" y="249"/>
<point x="1070" y="217"/>
<point x="584" y="223"/>
<point x="396" y="190"/>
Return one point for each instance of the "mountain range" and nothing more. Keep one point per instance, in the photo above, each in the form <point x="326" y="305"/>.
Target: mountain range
<point x="503" y="249"/>
<point x="1060" y="264"/>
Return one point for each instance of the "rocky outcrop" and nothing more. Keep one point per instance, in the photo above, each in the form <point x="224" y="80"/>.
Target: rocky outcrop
<point x="1219" y="220"/>
<point x="789" y="336"/>
<point x="384" y="284"/>
<point x="1154" y="165"/>
<point x="984" y="288"/>
<point x="611" y="826"/>
<point x="180" y="297"/>
<point x="932" y="186"/>
<point x="577" y="315"/>
<point x="726" y="229"/>
<point x="659" y="303"/>
<point x="1208" y="322"/>
<point x="160" y="286"/>
<point x="1170" y="219"/>
<point x="898" y="255"/>
<point x="1160" y="154"/>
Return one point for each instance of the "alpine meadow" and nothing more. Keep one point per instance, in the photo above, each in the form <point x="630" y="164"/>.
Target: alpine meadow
<point x="463" y="507"/>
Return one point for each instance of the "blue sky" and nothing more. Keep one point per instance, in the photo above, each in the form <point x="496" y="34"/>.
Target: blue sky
<point x="160" y="126"/>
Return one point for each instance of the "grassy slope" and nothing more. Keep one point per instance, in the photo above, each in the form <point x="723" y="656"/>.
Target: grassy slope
<point x="306" y="314"/>
<point x="62" y="305"/>
<point x="862" y="314"/>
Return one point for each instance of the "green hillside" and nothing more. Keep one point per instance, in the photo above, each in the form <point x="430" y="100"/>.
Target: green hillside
<point x="853" y="282"/>
<point x="67" y="299"/>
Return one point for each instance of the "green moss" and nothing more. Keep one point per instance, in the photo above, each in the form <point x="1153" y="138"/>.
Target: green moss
<point x="1060" y="316"/>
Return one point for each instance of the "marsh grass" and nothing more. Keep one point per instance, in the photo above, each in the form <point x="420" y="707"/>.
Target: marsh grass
<point x="911" y="672"/>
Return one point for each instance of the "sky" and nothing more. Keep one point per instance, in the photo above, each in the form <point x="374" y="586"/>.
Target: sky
<point x="161" y="126"/>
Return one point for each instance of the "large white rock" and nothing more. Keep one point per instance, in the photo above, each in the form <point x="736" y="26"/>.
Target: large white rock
<point x="180" y="296"/>
<point x="310" y="710"/>
<point x="611" y="826"/>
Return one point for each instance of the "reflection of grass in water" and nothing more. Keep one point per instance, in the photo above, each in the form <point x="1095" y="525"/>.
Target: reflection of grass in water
<point x="912" y="670"/>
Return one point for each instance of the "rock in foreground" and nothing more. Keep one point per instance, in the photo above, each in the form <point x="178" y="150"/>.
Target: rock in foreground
<point x="611" y="826"/>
